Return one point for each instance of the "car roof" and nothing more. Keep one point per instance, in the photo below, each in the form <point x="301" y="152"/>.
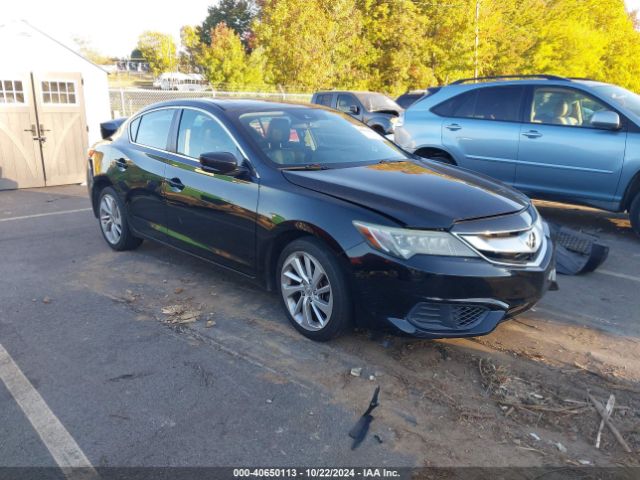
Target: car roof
<point x="232" y="105"/>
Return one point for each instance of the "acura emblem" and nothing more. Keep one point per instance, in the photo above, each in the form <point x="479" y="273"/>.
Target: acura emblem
<point x="532" y="240"/>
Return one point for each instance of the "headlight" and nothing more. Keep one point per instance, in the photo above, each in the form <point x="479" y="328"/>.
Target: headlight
<point x="405" y="243"/>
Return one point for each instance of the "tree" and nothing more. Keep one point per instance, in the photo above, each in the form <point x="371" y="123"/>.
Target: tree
<point x="236" y="14"/>
<point x="225" y="63"/>
<point x="86" y="50"/>
<point x="311" y="44"/>
<point x="159" y="50"/>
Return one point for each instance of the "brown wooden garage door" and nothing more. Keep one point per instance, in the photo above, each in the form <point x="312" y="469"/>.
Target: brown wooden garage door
<point x="43" y="131"/>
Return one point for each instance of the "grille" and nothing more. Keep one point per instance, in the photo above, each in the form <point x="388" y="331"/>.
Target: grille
<point x="446" y="316"/>
<point x="466" y="315"/>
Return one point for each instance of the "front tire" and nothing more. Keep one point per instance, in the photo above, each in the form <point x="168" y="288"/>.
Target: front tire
<point x="113" y="222"/>
<point x="634" y="214"/>
<point x="313" y="289"/>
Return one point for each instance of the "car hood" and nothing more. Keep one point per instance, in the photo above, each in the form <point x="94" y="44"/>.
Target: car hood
<point x="417" y="194"/>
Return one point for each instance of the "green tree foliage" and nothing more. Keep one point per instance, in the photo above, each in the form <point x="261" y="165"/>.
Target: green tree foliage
<point x="311" y="44"/>
<point x="159" y="50"/>
<point x="236" y="14"/>
<point x="224" y="62"/>
<point x="395" y="45"/>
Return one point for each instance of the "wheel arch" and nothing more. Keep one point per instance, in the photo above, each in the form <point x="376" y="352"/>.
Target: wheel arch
<point x="99" y="183"/>
<point x="630" y="193"/>
<point x="287" y="233"/>
<point x="427" y="151"/>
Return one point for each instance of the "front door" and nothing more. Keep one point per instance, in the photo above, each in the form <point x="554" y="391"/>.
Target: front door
<point x="20" y="158"/>
<point x="63" y="126"/>
<point x="210" y="215"/>
<point x="561" y="154"/>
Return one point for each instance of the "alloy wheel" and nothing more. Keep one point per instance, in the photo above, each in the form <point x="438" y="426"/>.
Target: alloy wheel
<point x="110" y="219"/>
<point x="306" y="291"/>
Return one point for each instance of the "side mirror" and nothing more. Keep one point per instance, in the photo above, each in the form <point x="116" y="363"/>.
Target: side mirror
<point x="606" y="119"/>
<point x="224" y="163"/>
<point x="354" y="109"/>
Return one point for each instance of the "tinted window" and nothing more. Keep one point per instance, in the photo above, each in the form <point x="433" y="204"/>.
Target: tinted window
<point x="324" y="99"/>
<point x="491" y="103"/>
<point x="199" y="133"/>
<point x="459" y="106"/>
<point x="499" y="103"/>
<point x="344" y="102"/>
<point x="154" y="127"/>
<point x="562" y="106"/>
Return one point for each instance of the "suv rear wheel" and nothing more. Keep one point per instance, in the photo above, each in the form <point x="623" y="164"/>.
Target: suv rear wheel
<point x="313" y="289"/>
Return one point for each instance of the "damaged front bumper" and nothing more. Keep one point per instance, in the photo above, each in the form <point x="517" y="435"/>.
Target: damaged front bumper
<point x="443" y="297"/>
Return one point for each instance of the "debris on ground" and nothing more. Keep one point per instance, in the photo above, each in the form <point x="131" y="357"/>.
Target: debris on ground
<point x="210" y="323"/>
<point x="360" y="429"/>
<point x="577" y="252"/>
<point x="178" y="290"/>
<point x="608" y="409"/>
<point x="180" y="314"/>
<point x="46" y="300"/>
<point x="356" y="371"/>
<point x="605" y="418"/>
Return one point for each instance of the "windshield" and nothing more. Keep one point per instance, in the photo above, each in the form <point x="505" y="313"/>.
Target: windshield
<point x="306" y="136"/>
<point x="621" y="97"/>
<point x="373" y="102"/>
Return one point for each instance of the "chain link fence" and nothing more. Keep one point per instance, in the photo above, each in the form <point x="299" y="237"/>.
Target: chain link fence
<point x="125" y="102"/>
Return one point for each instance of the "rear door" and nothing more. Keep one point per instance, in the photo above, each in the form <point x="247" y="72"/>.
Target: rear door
<point x="481" y="128"/>
<point x="140" y="170"/>
<point x="210" y="215"/>
<point x="561" y="154"/>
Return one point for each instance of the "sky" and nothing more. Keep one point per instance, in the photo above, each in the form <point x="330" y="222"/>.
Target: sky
<point x="112" y="27"/>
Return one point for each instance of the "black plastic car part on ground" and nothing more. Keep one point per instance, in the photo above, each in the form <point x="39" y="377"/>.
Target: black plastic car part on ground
<point x="346" y="227"/>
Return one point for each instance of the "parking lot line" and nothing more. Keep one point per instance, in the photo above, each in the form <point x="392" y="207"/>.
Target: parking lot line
<point x="63" y="448"/>
<point x="36" y="215"/>
<point x="619" y="275"/>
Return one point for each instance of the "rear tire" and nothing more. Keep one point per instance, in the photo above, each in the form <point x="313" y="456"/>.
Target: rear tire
<point x="113" y="222"/>
<point x="634" y="214"/>
<point x="313" y="289"/>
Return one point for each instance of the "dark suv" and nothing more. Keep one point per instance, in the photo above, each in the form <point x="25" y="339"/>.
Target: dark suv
<point x="346" y="226"/>
<point x="375" y="109"/>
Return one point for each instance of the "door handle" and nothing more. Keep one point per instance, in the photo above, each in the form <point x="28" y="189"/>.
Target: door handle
<point x="453" y="127"/>
<point x="121" y="163"/>
<point x="176" y="184"/>
<point x="532" y="134"/>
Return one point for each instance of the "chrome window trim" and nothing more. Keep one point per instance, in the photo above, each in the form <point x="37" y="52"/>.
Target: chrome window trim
<point x="245" y="157"/>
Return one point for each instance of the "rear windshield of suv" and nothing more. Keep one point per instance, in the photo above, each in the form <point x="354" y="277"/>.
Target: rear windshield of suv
<point x="620" y="97"/>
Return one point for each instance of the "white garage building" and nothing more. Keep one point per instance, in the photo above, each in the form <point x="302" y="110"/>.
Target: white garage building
<point x="52" y="101"/>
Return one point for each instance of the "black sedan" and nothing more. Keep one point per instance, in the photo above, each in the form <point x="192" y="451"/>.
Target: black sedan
<point x="347" y="227"/>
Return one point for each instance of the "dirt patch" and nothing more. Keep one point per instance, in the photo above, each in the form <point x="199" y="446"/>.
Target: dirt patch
<point x="503" y="400"/>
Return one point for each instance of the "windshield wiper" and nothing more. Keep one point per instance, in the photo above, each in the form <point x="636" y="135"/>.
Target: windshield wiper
<point x="311" y="166"/>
